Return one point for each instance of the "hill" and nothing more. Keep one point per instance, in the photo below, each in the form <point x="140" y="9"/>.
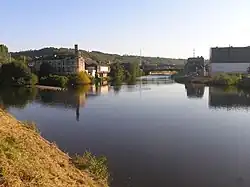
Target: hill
<point x="98" y="56"/>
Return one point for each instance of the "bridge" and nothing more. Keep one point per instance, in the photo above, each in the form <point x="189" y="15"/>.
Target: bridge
<point x="161" y="69"/>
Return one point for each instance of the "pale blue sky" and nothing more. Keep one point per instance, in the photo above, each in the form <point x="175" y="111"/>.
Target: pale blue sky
<point x="168" y="28"/>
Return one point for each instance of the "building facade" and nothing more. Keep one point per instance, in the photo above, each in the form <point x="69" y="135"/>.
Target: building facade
<point x="230" y="60"/>
<point x="93" y="68"/>
<point x="195" y="65"/>
<point x="62" y="64"/>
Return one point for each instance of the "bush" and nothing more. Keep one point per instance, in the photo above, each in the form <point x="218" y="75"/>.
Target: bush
<point x="226" y="79"/>
<point x="16" y="73"/>
<point x="34" y="79"/>
<point x="54" y="80"/>
<point x="81" y="78"/>
<point x="95" y="165"/>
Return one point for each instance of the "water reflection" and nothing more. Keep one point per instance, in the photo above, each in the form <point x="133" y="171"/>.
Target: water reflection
<point x="71" y="99"/>
<point x="16" y="97"/>
<point x="229" y="98"/>
<point x="195" y="90"/>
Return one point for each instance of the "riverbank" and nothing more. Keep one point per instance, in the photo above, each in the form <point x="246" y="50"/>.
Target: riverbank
<point x="238" y="80"/>
<point x="26" y="159"/>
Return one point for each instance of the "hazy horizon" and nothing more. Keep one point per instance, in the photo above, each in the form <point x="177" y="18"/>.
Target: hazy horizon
<point x="170" y="29"/>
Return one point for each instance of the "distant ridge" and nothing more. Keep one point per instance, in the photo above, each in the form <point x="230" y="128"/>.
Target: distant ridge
<point x="98" y="56"/>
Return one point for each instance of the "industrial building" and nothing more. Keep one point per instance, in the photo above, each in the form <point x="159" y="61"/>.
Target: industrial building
<point x="195" y="65"/>
<point x="230" y="60"/>
<point x="62" y="64"/>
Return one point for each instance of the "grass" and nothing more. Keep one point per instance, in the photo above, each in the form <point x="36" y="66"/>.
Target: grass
<point x="31" y="125"/>
<point x="95" y="165"/>
<point x="28" y="160"/>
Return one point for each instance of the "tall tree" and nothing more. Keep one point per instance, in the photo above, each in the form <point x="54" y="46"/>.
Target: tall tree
<point x="3" y="54"/>
<point x="16" y="73"/>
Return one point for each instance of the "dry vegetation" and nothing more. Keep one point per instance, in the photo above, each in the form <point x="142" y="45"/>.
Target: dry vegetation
<point x="26" y="159"/>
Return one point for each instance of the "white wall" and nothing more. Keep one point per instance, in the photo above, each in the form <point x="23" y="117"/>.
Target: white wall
<point x="104" y="69"/>
<point x="229" y="67"/>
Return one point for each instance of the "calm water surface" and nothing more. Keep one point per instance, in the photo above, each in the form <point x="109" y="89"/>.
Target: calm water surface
<point x="154" y="135"/>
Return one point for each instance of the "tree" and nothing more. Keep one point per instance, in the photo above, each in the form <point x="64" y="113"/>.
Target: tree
<point x="16" y="73"/>
<point x="54" y="80"/>
<point x="46" y="69"/>
<point x="3" y="54"/>
<point x="117" y="72"/>
<point x="81" y="78"/>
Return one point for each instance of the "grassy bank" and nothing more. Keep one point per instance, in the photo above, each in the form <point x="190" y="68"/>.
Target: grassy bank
<point x="222" y="79"/>
<point x="26" y="159"/>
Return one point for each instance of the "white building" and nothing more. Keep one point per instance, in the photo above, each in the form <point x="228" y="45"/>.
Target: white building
<point x="93" y="68"/>
<point x="230" y="60"/>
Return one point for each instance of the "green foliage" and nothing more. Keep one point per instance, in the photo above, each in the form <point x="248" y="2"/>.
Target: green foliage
<point x="16" y="73"/>
<point x="95" y="165"/>
<point x="81" y="78"/>
<point x="125" y="72"/>
<point x="34" y="79"/>
<point x="54" y="80"/>
<point x="117" y="72"/>
<point x="46" y="69"/>
<point x="3" y="54"/>
<point x="226" y="79"/>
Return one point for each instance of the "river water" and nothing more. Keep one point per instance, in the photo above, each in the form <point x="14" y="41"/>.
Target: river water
<point x="154" y="134"/>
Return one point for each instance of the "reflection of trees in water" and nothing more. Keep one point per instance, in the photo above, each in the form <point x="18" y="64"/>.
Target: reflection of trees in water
<point x="117" y="88"/>
<point x="230" y="98"/>
<point x="195" y="90"/>
<point x="17" y="97"/>
<point x="20" y="97"/>
<point x="67" y="99"/>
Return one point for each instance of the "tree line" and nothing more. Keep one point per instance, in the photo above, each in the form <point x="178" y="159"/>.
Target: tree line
<point x="125" y="72"/>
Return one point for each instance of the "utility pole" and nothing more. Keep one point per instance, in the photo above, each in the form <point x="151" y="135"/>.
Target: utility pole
<point x="140" y="57"/>
<point x="194" y="53"/>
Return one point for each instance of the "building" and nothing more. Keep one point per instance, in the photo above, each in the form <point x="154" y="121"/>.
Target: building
<point x="229" y="60"/>
<point x="62" y="64"/>
<point x="195" y="66"/>
<point x="93" y="68"/>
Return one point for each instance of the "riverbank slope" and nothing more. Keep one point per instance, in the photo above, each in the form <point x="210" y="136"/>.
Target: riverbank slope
<point x="26" y="159"/>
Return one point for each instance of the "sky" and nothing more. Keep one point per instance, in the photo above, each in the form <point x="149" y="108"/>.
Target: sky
<point x="164" y="28"/>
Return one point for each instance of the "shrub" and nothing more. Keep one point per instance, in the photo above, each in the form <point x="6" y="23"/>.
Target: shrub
<point x="81" y="78"/>
<point x="16" y="73"/>
<point x="34" y="79"/>
<point x="226" y="79"/>
<point x="54" y="80"/>
<point x="95" y="165"/>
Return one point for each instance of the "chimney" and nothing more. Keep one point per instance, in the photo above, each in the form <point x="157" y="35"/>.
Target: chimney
<point x="76" y="50"/>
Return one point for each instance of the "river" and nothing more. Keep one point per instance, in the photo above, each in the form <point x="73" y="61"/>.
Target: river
<point x="154" y="134"/>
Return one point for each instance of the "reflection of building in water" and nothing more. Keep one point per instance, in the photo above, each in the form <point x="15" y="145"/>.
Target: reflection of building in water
<point x="195" y="90"/>
<point x="228" y="98"/>
<point x="98" y="90"/>
<point x="67" y="99"/>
